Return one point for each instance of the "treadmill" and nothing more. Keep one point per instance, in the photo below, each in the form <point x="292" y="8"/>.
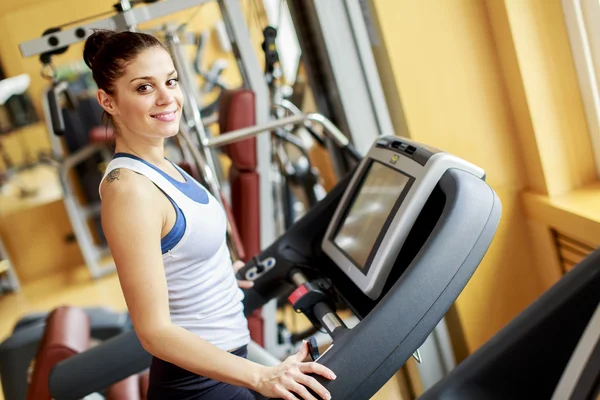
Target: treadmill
<point x="395" y="242"/>
<point x="550" y="351"/>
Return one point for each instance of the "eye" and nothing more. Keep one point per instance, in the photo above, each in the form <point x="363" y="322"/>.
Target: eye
<point x="172" y="82"/>
<point x="144" y="88"/>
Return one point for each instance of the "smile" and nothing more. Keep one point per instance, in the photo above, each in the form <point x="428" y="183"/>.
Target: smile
<point x="167" y="116"/>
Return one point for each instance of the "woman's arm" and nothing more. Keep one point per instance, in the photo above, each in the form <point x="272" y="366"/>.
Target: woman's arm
<point x="133" y="215"/>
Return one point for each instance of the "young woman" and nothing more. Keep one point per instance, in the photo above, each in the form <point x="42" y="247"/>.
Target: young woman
<point x="167" y="236"/>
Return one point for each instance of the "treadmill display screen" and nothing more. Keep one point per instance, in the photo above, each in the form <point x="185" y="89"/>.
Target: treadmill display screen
<point x="373" y="204"/>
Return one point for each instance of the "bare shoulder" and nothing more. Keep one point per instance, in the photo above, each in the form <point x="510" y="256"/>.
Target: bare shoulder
<point x="122" y="183"/>
<point x="129" y="196"/>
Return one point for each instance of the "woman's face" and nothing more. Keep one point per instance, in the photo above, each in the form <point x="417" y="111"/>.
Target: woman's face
<point x="147" y="99"/>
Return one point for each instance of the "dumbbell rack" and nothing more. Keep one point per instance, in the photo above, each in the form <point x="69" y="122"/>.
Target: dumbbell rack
<point x="9" y="280"/>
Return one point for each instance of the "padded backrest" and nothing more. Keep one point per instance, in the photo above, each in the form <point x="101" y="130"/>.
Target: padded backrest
<point x="236" y="111"/>
<point x="67" y="333"/>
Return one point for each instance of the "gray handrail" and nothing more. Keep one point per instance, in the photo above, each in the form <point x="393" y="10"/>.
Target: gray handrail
<point x="245" y="133"/>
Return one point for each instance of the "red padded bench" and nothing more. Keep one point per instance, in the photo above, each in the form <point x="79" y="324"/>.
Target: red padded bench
<point x="67" y="333"/>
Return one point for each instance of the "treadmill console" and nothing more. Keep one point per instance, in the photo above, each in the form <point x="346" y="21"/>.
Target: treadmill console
<point x="380" y="205"/>
<point x="394" y="242"/>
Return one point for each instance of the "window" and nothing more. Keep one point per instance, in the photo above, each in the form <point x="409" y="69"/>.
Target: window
<point x="582" y="19"/>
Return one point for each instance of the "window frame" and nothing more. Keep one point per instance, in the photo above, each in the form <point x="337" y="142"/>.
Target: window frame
<point x="584" y="38"/>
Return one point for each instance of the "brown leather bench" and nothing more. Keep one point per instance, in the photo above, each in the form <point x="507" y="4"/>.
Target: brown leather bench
<point x="67" y="333"/>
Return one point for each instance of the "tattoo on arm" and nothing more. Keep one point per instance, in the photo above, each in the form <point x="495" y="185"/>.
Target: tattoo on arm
<point x="113" y="175"/>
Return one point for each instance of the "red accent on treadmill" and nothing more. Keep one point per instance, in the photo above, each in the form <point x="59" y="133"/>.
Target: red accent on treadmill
<point x="297" y="294"/>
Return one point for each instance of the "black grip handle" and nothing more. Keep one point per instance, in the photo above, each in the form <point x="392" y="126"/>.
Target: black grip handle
<point x="58" y="123"/>
<point x="329" y="320"/>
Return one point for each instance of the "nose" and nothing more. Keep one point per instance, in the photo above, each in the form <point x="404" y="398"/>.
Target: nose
<point x="164" y="97"/>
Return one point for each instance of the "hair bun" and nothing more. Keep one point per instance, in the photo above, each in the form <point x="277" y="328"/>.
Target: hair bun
<point x="93" y="44"/>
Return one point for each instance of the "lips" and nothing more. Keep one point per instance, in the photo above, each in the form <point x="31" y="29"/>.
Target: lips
<point x="167" y="116"/>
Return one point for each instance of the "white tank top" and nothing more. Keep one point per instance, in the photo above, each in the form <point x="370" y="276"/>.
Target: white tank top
<point x="204" y="296"/>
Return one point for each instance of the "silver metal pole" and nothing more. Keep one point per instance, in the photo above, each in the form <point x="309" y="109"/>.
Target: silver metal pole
<point x="192" y="121"/>
<point x="191" y="108"/>
<point x="240" y="134"/>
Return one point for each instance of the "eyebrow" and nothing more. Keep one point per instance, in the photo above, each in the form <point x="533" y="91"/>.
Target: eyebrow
<point x="149" y="78"/>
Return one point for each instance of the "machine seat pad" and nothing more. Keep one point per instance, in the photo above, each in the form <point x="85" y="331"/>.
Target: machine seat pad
<point x="101" y="135"/>
<point x="237" y="111"/>
<point x="67" y="333"/>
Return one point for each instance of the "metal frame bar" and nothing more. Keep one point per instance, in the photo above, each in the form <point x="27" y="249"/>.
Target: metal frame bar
<point x="253" y="78"/>
<point x="369" y="67"/>
<point x="79" y="214"/>
<point x="346" y="63"/>
<point x="120" y="21"/>
<point x="245" y="133"/>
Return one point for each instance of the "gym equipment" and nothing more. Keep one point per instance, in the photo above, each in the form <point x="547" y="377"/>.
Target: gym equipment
<point x="433" y="218"/>
<point x="403" y="235"/>
<point x="16" y="111"/>
<point x="67" y="332"/>
<point x="551" y="350"/>
<point x="237" y="111"/>
<point x="192" y="132"/>
<point x="20" y="348"/>
<point x="211" y="77"/>
<point x="80" y="146"/>
<point x="13" y="86"/>
<point x="297" y="187"/>
<point x="581" y="378"/>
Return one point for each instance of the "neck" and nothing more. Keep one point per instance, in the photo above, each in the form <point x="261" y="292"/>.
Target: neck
<point x="151" y="150"/>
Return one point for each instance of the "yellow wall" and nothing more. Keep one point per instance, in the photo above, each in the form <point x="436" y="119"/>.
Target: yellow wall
<point x="471" y="84"/>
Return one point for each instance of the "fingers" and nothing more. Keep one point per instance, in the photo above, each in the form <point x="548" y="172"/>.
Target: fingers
<point x="245" y="284"/>
<point x="283" y="393"/>
<point x="304" y="393"/>
<point x="237" y="265"/>
<point x="316" y="368"/>
<point x="312" y="383"/>
<point x="303" y="352"/>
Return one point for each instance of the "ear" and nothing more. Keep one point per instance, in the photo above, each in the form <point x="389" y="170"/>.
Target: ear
<point x="107" y="102"/>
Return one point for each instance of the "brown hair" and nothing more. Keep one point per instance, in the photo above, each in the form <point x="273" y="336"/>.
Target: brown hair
<point x="107" y="52"/>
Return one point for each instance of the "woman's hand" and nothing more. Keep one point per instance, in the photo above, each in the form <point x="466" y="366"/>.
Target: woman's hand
<point x="291" y="376"/>
<point x="243" y="284"/>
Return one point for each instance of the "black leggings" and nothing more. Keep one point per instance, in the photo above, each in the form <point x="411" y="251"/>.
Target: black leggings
<point x="168" y="381"/>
